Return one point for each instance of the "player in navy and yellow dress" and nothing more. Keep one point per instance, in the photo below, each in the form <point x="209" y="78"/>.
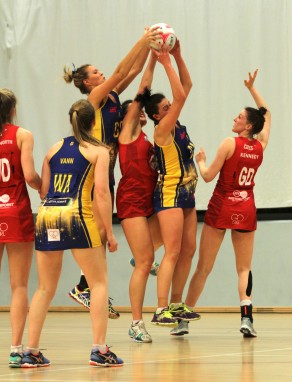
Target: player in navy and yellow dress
<point x="108" y="120"/>
<point x="232" y="204"/>
<point x="104" y="96"/>
<point x="177" y="172"/>
<point x="65" y="221"/>
<point x="174" y="195"/>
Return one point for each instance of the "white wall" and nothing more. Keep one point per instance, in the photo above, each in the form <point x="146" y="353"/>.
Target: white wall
<point x="271" y="272"/>
<point x="221" y="41"/>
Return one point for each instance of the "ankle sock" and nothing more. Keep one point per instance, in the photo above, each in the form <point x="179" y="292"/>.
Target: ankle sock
<point x="16" y="349"/>
<point x="159" y="310"/>
<point x="101" y="348"/>
<point x="33" y="350"/>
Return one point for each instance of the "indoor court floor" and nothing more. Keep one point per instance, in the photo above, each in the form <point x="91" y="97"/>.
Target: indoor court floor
<point x="214" y="350"/>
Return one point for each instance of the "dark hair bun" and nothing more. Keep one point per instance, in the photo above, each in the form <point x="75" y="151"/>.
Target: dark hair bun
<point x="143" y="97"/>
<point x="262" y="110"/>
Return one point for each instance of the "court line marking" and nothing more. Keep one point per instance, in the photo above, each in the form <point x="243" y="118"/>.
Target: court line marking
<point x="49" y="369"/>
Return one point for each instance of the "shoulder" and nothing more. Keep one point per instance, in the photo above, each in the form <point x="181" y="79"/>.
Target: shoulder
<point x="227" y="147"/>
<point x="228" y="142"/>
<point x="54" y="149"/>
<point x="93" y="153"/>
<point x="23" y="133"/>
<point x="101" y="150"/>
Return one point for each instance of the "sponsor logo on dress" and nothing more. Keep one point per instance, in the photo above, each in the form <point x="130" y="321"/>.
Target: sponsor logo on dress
<point x="53" y="234"/>
<point x="3" y="229"/>
<point x="182" y="135"/>
<point x="239" y="195"/>
<point x="237" y="218"/>
<point x="4" y="199"/>
<point x="6" y="142"/>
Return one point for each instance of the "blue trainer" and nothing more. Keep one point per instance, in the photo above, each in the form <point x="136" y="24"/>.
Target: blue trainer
<point x="108" y="359"/>
<point x="34" y="360"/>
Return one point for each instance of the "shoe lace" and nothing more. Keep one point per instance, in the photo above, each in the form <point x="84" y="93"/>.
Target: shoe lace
<point x="166" y="313"/>
<point x="142" y="328"/>
<point x="186" y="309"/>
<point x="84" y="293"/>
<point x="108" y="353"/>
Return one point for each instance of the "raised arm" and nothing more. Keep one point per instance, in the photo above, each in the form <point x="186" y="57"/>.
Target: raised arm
<point x="163" y="131"/>
<point x="26" y="142"/>
<point x="131" y="120"/>
<point x="184" y="74"/>
<point x="122" y="70"/>
<point x="263" y="136"/>
<point x="147" y="78"/>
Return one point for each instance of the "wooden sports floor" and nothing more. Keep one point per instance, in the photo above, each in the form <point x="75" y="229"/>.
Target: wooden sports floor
<point x="214" y="350"/>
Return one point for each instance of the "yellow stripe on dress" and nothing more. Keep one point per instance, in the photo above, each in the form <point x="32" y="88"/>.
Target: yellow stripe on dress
<point x="173" y="173"/>
<point x="87" y="221"/>
<point x="98" y="129"/>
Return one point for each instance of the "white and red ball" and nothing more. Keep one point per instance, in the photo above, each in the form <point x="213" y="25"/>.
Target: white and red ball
<point x="167" y="39"/>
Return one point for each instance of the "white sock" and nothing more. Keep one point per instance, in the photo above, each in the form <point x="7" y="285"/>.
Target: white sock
<point x="102" y="348"/>
<point x="245" y="302"/>
<point x="158" y="310"/>
<point x="33" y="350"/>
<point x="16" y="349"/>
<point x="135" y="322"/>
<point x="176" y="304"/>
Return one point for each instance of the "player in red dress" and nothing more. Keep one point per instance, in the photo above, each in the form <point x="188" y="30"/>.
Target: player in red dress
<point x="232" y="204"/>
<point x="135" y="201"/>
<point x="16" y="220"/>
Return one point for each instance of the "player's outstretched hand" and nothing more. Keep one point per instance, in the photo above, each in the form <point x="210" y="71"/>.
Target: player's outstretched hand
<point x="251" y="79"/>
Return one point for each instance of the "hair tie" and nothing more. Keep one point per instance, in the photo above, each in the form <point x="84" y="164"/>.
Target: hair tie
<point x="74" y="69"/>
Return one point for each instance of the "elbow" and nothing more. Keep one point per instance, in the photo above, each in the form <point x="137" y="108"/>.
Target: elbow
<point x="30" y="179"/>
<point x="137" y="70"/>
<point x="207" y="178"/>
<point x="33" y="180"/>
<point x="101" y="194"/>
<point x="120" y="75"/>
<point x="181" y="97"/>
